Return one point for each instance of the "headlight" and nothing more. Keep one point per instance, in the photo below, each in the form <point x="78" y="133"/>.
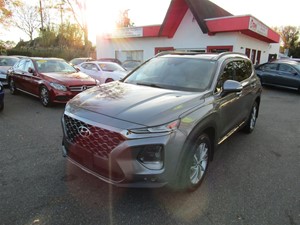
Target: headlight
<point x="59" y="87"/>
<point x="151" y="156"/>
<point x="165" y="128"/>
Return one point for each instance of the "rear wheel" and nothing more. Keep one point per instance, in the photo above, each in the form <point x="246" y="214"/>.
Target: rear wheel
<point x="12" y="87"/>
<point x="45" y="96"/>
<point x="196" y="162"/>
<point x="250" y="125"/>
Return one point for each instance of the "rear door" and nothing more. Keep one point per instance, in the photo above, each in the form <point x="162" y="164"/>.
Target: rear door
<point x="287" y="76"/>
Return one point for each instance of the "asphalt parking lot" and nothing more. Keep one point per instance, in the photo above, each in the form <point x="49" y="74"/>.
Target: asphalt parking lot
<point x="253" y="180"/>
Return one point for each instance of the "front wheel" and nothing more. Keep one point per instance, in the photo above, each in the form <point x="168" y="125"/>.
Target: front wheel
<point x="12" y="87"/>
<point x="1" y="106"/>
<point x="44" y="96"/>
<point x="196" y="162"/>
<point x="250" y="124"/>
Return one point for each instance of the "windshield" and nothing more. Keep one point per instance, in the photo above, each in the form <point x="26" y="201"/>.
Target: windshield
<point x="8" y="61"/>
<point x="52" y="66"/>
<point x="177" y="73"/>
<point x="110" y="67"/>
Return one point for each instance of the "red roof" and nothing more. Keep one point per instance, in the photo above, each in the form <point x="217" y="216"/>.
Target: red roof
<point x="211" y="19"/>
<point x="247" y="25"/>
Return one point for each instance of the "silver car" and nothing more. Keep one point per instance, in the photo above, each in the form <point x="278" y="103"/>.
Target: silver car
<point x="161" y="124"/>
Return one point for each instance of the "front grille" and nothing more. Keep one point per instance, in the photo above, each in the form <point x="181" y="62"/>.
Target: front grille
<point x="80" y="88"/>
<point x="95" y="139"/>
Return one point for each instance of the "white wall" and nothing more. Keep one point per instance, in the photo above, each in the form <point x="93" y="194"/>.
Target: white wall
<point x="187" y="36"/>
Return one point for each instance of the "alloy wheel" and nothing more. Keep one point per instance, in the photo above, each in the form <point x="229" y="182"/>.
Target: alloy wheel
<point x="199" y="163"/>
<point x="44" y="95"/>
<point x="253" y="117"/>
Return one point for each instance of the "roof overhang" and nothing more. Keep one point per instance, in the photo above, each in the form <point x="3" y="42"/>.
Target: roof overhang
<point x="247" y="25"/>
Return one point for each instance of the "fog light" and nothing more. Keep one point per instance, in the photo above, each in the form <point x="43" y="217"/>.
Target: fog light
<point x="151" y="156"/>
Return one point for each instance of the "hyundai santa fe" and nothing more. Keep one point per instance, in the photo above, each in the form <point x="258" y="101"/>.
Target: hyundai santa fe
<point x="161" y="124"/>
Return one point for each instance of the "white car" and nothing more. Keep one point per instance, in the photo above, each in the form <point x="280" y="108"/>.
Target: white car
<point x="6" y="62"/>
<point x="104" y="72"/>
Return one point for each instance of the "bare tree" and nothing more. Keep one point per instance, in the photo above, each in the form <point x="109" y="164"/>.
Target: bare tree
<point x="27" y="19"/>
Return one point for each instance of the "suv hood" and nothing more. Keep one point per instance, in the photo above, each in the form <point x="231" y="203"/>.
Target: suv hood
<point x="142" y="105"/>
<point x="71" y="78"/>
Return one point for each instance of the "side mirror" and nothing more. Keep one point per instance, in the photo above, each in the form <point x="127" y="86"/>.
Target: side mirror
<point x="31" y="70"/>
<point x="231" y="86"/>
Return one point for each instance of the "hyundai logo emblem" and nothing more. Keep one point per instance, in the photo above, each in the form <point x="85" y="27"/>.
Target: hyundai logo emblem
<point x="84" y="87"/>
<point x="84" y="131"/>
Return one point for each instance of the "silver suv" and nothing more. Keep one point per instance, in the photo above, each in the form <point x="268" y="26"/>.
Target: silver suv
<point x="162" y="123"/>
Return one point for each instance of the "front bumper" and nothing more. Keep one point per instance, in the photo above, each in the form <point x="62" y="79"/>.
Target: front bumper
<point x="62" y="96"/>
<point x="3" y="79"/>
<point x="121" y="166"/>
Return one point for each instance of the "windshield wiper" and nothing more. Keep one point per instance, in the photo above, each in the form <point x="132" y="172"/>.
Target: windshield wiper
<point x="149" y="85"/>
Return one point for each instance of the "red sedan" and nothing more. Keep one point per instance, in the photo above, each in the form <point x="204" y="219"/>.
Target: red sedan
<point x="52" y="80"/>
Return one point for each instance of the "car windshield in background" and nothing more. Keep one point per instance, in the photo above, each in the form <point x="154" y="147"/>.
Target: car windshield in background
<point x="53" y="66"/>
<point x="7" y="61"/>
<point x="110" y="67"/>
<point x="297" y="66"/>
<point x="176" y="73"/>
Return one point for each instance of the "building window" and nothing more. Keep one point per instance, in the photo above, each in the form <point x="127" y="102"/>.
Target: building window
<point x="129" y="55"/>
<point x="247" y="52"/>
<point x="253" y="54"/>
<point x="258" y="57"/>
<point x="162" y="49"/>
<point x="219" y="49"/>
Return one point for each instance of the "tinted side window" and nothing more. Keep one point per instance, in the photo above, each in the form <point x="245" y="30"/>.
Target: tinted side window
<point x="269" y="66"/>
<point x="243" y="70"/>
<point x="238" y="70"/>
<point x="227" y="74"/>
<point x="286" y="68"/>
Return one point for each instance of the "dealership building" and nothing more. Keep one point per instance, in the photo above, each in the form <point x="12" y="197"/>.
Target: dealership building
<point x="193" y="25"/>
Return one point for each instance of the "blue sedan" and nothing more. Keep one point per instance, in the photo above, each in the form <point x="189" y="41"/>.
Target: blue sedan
<point x="281" y="73"/>
<point x="1" y="97"/>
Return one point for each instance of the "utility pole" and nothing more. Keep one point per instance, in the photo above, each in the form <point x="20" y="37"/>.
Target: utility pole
<point x="41" y="14"/>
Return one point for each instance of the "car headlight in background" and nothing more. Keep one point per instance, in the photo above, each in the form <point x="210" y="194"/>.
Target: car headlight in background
<point x="59" y="87"/>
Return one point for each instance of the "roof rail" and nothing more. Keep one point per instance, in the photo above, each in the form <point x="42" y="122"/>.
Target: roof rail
<point x="216" y="57"/>
<point x="219" y="55"/>
<point x="181" y="53"/>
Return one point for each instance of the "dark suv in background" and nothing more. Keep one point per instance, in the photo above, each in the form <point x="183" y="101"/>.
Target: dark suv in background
<point x="162" y="123"/>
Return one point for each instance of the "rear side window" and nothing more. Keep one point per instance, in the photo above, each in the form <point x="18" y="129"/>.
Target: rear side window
<point x="286" y="68"/>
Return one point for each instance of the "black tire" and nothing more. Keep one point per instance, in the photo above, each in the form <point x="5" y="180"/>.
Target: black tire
<point x="12" y="87"/>
<point x="109" y="80"/>
<point x="45" y="96"/>
<point x="1" y="106"/>
<point x="196" y="161"/>
<point x="250" y="124"/>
